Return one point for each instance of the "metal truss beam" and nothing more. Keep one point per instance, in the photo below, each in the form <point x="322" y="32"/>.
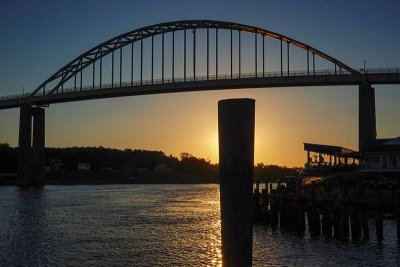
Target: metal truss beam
<point x="105" y="48"/>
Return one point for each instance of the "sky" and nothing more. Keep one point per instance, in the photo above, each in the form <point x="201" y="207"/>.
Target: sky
<point x="39" y="37"/>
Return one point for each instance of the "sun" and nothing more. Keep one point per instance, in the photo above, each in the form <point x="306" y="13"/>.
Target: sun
<point x="214" y="151"/>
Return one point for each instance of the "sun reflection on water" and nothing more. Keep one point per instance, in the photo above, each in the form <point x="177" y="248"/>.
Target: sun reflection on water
<point x="154" y="225"/>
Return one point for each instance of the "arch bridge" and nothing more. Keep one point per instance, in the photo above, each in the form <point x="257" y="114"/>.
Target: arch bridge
<point x="182" y="56"/>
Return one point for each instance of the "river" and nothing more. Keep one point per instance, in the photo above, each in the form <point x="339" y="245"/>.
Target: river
<point x="154" y="225"/>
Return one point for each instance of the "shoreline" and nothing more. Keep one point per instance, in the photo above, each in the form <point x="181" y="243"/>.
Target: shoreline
<point x="113" y="177"/>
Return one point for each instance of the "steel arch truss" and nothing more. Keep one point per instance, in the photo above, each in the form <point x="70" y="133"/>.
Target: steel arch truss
<point x="90" y="57"/>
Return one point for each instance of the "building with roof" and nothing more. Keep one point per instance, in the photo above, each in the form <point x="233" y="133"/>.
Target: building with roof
<point x="324" y="159"/>
<point x="377" y="156"/>
<point x="382" y="157"/>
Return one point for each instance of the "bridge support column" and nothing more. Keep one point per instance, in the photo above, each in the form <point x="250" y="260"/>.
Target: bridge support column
<point x="24" y="146"/>
<point x="367" y="117"/>
<point x="236" y="167"/>
<point x="31" y="159"/>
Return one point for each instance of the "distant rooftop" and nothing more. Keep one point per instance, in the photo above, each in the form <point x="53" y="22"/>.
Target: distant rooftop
<point x="379" y="145"/>
<point x="386" y="145"/>
<point x="328" y="149"/>
<point x="394" y="141"/>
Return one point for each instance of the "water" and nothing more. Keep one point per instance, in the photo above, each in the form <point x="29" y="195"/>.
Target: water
<point x="153" y="225"/>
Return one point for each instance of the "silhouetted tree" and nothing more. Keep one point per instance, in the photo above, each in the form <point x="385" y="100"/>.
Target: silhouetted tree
<point x="126" y="160"/>
<point x="8" y="158"/>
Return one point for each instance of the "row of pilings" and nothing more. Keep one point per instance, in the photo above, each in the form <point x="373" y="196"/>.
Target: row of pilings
<point x="345" y="218"/>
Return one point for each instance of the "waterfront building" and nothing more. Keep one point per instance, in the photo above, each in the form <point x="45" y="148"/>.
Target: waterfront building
<point x="382" y="157"/>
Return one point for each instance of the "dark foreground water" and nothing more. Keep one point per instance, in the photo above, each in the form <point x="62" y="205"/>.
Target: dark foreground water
<point x="153" y="225"/>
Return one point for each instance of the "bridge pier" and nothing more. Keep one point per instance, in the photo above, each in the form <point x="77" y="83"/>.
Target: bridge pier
<point x="367" y="117"/>
<point x="236" y="164"/>
<point x="31" y="144"/>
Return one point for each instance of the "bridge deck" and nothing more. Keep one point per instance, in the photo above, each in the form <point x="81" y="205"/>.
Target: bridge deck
<point x="320" y="78"/>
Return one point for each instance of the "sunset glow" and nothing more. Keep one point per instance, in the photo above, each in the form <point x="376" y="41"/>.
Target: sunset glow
<point x="187" y="122"/>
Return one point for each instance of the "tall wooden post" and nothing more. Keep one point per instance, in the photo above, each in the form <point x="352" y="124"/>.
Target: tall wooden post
<point x="236" y="119"/>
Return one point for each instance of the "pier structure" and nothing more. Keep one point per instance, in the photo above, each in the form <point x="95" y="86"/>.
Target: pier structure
<point x="322" y="159"/>
<point x="382" y="157"/>
<point x="341" y="212"/>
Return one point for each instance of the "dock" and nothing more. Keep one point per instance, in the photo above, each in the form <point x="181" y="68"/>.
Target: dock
<point x="341" y="213"/>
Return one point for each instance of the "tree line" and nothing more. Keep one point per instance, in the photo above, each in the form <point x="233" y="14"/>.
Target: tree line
<point x="129" y="160"/>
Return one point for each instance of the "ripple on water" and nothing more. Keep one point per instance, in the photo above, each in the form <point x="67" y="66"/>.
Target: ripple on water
<point x="153" y="225"/>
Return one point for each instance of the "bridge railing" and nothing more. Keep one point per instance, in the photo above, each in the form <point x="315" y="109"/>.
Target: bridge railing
<point x="379" y="70"/>
<point x="187" y="79"/>
<point x="14" y="97"/>
<point x="203" y="78"/>
<point x="214" y="77"/>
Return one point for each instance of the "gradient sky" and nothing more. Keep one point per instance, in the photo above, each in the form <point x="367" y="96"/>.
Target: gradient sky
<point x="39" y="37"/>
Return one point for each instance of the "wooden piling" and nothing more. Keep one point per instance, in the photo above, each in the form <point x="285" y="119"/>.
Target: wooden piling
<point x="282" y="214"/>
<point x="314" y="220"/>
<point x="302" y="217"/>
<point x="292" y="215"/>
<point x="274" y="210"/>
<point x="344" y="221"/>
<point x="317" y="224"/>
<point x="309" y="220"/>
<point x="327" y="222"/>
<point x="364" y="220"/>
<point x="397" y="207"/>
<point x="379" y="222"/>
<point x="336" y="221"/>
<point x="265" y="205"/>
<point x="355" y="222"/>
<point x="256" y="205"/>
<point x="236" y="119"/>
